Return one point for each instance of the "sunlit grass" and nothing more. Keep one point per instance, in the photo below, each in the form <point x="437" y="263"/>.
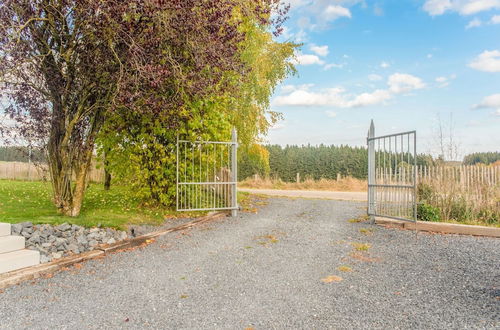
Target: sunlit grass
<point x="32" y="201"/>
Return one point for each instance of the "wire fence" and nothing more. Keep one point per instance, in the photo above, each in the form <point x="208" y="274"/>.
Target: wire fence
<point x="40" y="172"/>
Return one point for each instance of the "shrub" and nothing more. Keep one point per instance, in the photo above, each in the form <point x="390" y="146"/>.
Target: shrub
<point x="426" y="212"/>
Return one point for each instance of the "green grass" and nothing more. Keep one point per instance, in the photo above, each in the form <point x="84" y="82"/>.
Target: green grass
<point x="31" y="201"/>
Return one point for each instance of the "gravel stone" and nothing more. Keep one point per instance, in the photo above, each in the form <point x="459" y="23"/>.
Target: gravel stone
<point x="16" y="229"/>
<point x="64" y="239"/>
<point x="264" y="271"/>
<point x="64" y="227"/>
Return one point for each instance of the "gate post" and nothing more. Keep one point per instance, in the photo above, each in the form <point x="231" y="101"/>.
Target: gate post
<point x="234" y="172"/>
<point x="371" y="171"/>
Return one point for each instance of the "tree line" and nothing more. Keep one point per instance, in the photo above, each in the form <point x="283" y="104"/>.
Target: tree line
<point x="314" y="161"/>
<point x="481" y="158"/>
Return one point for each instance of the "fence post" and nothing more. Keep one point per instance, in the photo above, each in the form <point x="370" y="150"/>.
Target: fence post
<point x="234" y="172"/>
<point x="371" y="171"/>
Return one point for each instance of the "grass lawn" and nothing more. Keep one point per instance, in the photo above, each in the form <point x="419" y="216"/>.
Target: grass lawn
<point x="31" y="201"/>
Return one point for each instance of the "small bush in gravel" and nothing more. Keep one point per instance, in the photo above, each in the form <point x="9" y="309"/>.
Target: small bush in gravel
<point x="54" y="242"/>
<point x="361" y="246"/>
<point x="344" y="268"/>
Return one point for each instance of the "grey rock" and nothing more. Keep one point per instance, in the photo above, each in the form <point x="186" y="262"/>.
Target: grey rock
<point x="16" y="228"/>
<point x="45" y="258"/>
<point x="111" y="241"/>
<point x="28" y="230"/>
<point x="27" y="224"/>
<point x="93" y="243"/>
<point x="56" y="255"/>
<point x="73" y="248"/>
<point x="82" y="240"/>
<point x="64" y="227"/>
<point x="46" y="245"/>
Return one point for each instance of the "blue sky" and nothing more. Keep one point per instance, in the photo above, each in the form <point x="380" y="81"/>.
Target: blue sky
<point x="403" y="63"/>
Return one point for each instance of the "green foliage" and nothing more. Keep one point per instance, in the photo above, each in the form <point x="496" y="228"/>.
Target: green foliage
<point x="426" y="212"/>
<point x="140" y="149"/>
<point x="317" y="162"/>
<point x="481" y="158"/>
<point x="253" y="160"/>
<point x="322" y="162"/>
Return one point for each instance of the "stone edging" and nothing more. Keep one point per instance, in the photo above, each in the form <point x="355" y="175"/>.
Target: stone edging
<point x="441" y="227"/>
<point x="34" y="272"/>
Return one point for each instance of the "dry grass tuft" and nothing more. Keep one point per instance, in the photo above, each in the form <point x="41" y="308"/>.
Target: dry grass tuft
<point x="344" y="268"/>
<point x="361" y="246"/>
<point x="331" y="278"/>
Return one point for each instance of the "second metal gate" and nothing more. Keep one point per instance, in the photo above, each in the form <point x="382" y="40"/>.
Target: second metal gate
<point x="392" y="175"/>
<point x="207" y="175"/>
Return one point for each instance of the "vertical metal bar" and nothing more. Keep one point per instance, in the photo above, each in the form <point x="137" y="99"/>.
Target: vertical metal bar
<point x="234" y="171"/>
<point x="415" y="178"/>
<point x="371" y="169"/>
<point x="177" y="174"/>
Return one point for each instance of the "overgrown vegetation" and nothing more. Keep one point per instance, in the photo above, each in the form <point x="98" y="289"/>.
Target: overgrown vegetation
<point x="482" y="158"/>
<point x="451" y="201"/>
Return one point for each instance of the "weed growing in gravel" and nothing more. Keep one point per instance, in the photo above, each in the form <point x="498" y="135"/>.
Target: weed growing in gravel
<point x="354" y="220"/>
<point x="366" y="231"/>
<point x="361" y="246"/>
<point x="331" y="278"/>
<point x="344" y="268"/>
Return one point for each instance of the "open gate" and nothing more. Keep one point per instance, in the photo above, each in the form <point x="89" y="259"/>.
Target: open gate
<point x="207" y="175"/>
<point x="392" y="175"/>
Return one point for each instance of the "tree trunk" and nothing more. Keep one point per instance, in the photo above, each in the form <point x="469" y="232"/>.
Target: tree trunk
<point x="107" y="179"/>
<point x="107" y="174"/>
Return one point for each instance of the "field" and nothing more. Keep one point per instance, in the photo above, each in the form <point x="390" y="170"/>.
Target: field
<point x="343" y="184"/>
<point x="31" y="201"/>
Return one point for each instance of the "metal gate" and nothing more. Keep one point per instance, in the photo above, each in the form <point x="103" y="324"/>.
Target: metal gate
<point x="392" y="175"/>
<point x="207" y="175"/>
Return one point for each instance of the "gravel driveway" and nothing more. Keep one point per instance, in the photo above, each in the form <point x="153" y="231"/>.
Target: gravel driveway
<point x="265" y="271"/>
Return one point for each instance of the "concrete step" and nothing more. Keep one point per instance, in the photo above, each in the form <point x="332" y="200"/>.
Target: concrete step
<point x="4" y="229"/>
<point x="11" y="243"/>
<point x="18" y="259"/>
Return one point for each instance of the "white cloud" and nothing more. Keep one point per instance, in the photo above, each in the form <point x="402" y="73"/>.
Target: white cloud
<point x="463" y="7"/>
<point x="495" y="19"/>
<point x="443" y="81"/>
<point x="403" y="83"/>
<point x="333" y="12"/>
<point x="488" y="61"/>
<point x="331" y="114"/>
<point x="333" y="65"/>
<point x="384" y="65"/>
<point x="374" y="77"/>
<point x="319" y="50"/>
<point x="286" y="89"/>
<point x="308" y="59"/>
<point x="437" y="7"/>
<point x="492" y="101"/>
<point x="338" y="97"/>
<point x="476" y="22"/>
